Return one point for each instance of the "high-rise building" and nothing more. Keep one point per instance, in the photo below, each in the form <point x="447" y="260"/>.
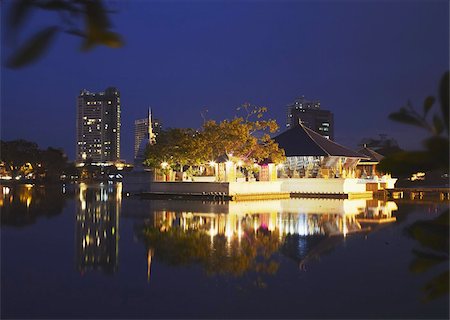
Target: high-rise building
<point x="311" y="115"/>
<point x="144" y="132"/>
<point x="98" y="126"/>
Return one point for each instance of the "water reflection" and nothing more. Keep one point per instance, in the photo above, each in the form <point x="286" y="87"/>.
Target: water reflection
<point x="97" y="227"/>
<point x="22" y="204"/>
<point x="241" y="237"/>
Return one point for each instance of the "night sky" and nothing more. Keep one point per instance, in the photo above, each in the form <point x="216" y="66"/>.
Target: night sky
<point x="362" y="59"/>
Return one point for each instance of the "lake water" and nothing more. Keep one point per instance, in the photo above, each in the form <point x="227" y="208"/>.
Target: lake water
<point x="86" y="251"/>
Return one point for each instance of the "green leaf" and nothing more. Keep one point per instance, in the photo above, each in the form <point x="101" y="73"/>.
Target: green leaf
<point x="444" y="98"/>
<point x="96" y="19"/>
<point x="405" y="117"/>
<point x="437" y="124"/>
<point x="111" y="39"/>
<point x="76" y="32"/>
<point x="405" y="163"/>
<point x="18" y="12"/>
<point x="438" y="149"/>
<point x="427" y="104"/>
<point x="58" y="5"/>
<point x="424" y="261"/>
<point x="437" y="287"/>
<point x="33" y="48"/>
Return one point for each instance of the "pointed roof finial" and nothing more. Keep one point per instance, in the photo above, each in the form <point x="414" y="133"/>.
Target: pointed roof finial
<point x="151" y="135"/>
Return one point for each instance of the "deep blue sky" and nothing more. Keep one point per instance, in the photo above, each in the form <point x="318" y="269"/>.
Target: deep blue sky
<point x="362" y="59"/>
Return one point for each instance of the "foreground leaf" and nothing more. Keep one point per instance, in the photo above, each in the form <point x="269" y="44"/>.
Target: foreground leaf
<point x="33" y="48"/>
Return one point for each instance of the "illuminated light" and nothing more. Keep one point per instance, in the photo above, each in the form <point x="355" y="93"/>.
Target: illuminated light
<point x="229" y="163"/>
<point x="18" y="177"/>
<point x="255" y="165"/>
<point x="164" y="165"/>
<point x="240" y="231"/>
<point x="240" y="163"/>
<point x="6" y="190"/>
<point x="212" y="163"/>
<point x="6" y="178"/>
<point x="113" y="230"/>
<point x="280" y="165"/>
<point x="418" y="176"/>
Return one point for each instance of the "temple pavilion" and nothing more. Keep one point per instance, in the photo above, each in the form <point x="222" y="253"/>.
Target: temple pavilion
<point x="310" y="155"/>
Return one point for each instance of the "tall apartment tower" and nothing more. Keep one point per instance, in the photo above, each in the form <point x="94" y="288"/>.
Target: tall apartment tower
<point x="98" y="126"/>
<point x="309" y="114"/>
<point x="144" y="132"/>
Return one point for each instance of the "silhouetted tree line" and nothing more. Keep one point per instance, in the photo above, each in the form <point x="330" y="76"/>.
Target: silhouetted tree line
<point x="21" y="158"/>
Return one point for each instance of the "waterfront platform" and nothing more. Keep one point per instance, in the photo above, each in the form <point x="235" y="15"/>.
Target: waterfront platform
<point x="348" y="188"/>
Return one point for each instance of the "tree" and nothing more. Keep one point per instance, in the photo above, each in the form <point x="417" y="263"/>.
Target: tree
<point x="92" y="13"/>
<point x="22" y="157"/>
<point x="176" y="147"/>
<point x="432" y="235"/>
<point x="241" y="138"/>
<point x="15" y="154"/>
<point x="435" y="156"/>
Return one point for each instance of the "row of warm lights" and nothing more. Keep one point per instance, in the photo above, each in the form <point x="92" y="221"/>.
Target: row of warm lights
<point x="164" y="164"/>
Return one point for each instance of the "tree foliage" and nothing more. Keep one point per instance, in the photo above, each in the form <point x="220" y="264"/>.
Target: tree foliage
<point x="242" y="138"/>
<point x="87" y="19"/>
<point x="435" y="155"/>
<point x="17" y="154"/>
<point x="432" y="235"/>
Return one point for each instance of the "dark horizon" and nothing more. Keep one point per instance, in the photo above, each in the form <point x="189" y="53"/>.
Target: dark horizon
<point x="361" y="60"/>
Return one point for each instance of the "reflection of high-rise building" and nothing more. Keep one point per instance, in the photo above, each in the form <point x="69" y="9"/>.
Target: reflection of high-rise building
<point x="311" y="115"/>
<point x="98" y="126"/>
<point x="142" y="131"/>
<point x="97" y="227"/>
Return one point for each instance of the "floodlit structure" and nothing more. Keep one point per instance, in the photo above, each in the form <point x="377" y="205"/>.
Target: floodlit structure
<point x="367" y="168"/>
<point x="310" y="155"/>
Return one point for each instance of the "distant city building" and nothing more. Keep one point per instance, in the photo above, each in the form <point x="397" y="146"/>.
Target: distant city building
<point x="309" y="114"/>
<point x="98" y="126"/>
<point x="142" y="131"/>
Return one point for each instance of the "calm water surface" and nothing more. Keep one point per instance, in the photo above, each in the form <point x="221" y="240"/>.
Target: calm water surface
<point x="86" y="251"/>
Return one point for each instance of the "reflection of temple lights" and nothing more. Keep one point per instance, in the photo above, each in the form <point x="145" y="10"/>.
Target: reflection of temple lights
<point x="6" y="190"/>
<point x="149" y="263"/>
<point x="302" y="225"/>
<point x="240" y="231"/>
<point x="344" y="226"/>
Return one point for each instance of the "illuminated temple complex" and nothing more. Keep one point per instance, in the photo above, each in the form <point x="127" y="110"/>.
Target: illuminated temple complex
<point x="310" y="155"/>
